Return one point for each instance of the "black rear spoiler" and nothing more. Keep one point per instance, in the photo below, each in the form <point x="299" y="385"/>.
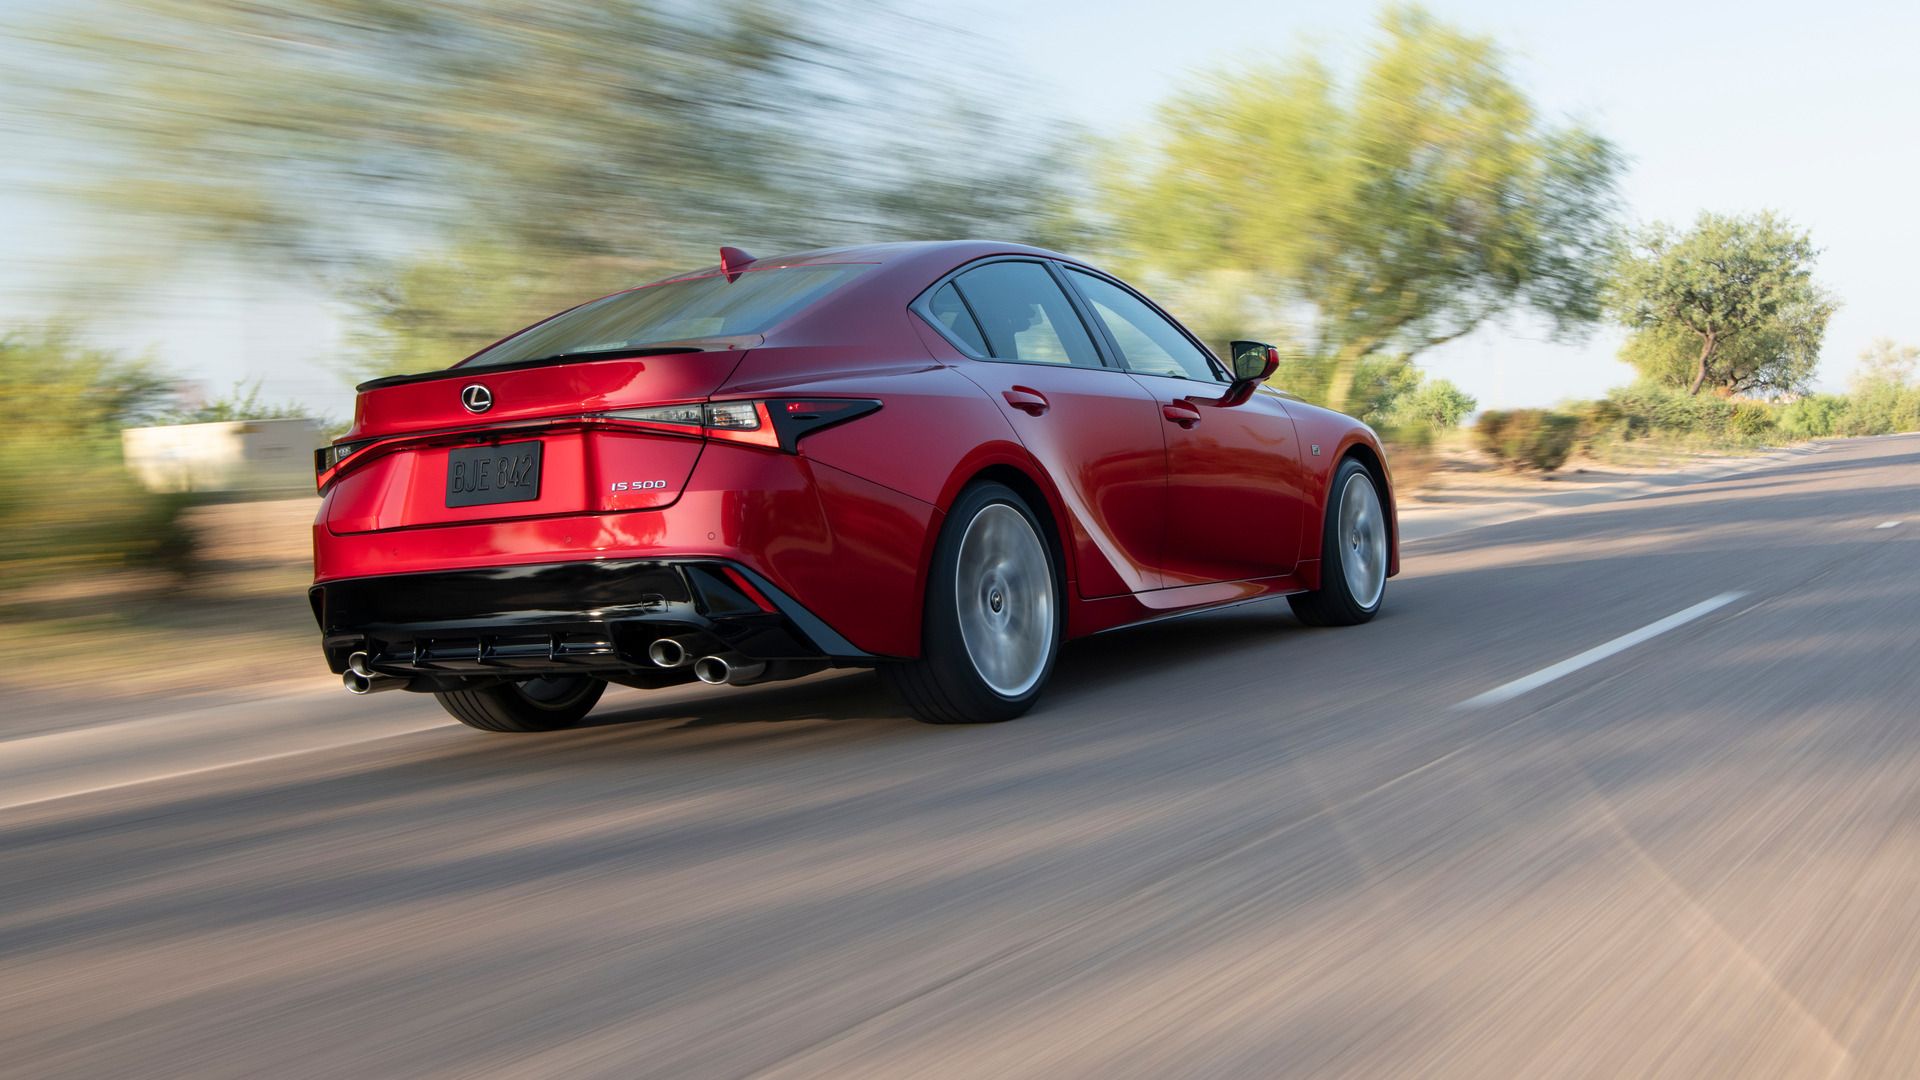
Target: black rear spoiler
<point x="463" y="372"/>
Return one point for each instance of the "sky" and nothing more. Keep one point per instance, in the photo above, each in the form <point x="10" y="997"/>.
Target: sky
<point x="1811" y="110"/>
<point x="1808" y="110"/>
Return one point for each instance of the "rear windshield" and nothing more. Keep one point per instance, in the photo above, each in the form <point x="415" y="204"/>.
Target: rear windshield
<point x="700" y="307"/>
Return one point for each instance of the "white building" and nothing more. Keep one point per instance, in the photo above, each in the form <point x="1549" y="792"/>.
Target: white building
<point x="232" y="456"/>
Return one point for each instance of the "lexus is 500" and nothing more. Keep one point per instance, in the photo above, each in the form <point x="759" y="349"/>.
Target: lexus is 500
<point x="939" y="460"/>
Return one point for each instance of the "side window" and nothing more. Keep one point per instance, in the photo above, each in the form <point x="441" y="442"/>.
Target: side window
<point x="1149" y="344"/>
<point x="1025" y="316"/>
<point x="949" y="312"/>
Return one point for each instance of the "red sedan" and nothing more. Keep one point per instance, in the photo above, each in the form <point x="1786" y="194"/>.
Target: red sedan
<point x="939" y="460"/>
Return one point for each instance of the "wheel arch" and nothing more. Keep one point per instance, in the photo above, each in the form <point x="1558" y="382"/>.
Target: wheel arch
<point x="1038" y="500"/>
<point x="1359" y="448"/>
<point x="1027" y="480"/>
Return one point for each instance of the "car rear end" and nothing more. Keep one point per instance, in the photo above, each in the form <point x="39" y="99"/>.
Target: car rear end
<point x="591" y="497"/>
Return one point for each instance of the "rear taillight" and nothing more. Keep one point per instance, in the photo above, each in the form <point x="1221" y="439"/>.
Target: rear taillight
<point x="328" y="458"/>
<point x="777" y="424"/>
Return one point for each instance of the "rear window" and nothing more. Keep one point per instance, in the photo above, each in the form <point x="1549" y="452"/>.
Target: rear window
<point x="672" y="311"/>
<point x="953" y="315"/>
<point x="1025" y="316"/>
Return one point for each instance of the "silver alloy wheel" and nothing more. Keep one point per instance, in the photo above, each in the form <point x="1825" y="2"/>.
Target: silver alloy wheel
<point x="1003" y="591"/>
<point x="1363" y="540"/>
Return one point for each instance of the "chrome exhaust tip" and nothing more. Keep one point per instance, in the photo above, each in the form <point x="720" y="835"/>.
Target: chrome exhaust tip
<point x="718" y="670"/>
<point x="667" y="652"/>
<point x="360" y="679"/>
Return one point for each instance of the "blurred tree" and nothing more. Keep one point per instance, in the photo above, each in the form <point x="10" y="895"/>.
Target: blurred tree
<point x="456" y="169"/>
<point x="1731" y="303"/>
<point x="324" y="130"/>
<point x="243" y="402"/>
<point x="66" y="501"/>
<point x="1394" y="216"/>
<point x="975" y="172"/>
<point x="1883" y="398"/>
<point x="1886" y="362"/>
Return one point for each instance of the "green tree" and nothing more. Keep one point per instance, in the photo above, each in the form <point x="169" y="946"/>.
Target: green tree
<point x="1394" y="215"/>
<point x="1436" y="403"/>
<point x="1730" y="303"/>
<point x="1883" y="398"/>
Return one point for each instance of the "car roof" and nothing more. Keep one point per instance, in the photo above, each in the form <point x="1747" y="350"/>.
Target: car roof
<point x="916" y="251"/>
<point x="902" y="272"/>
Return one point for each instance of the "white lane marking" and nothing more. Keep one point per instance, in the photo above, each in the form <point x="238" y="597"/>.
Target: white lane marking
<point x="1509" y="691"/>
<point x="1887" y="525"/>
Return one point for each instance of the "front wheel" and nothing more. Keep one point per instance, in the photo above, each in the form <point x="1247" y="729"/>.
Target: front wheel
<point x="1353" y="554"/>
<point x="993" y="615"/>
<point x="547" y="704"/>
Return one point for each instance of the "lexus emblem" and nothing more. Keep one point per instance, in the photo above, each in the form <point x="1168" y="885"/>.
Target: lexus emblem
<point x="477" y="398"/>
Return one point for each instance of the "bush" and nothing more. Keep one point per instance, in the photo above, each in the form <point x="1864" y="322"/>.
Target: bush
<point x="1646" y="410"/>
<point x="67" y="503"/>
<point x="1436" y="404"/>
<point x="1880" y="409"/>
<point x="1750" y="419"/>
<point x="1529" y="438"/>
<point x="1813" y="417"/>
<point x="1410" y="454"/>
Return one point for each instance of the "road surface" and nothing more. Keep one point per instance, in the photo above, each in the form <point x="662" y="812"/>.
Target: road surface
<point x="1628" y="789"/>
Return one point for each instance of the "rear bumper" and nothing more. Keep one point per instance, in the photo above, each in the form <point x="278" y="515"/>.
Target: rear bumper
<point x="849" y="550"/>
<point x="570" y="617"/>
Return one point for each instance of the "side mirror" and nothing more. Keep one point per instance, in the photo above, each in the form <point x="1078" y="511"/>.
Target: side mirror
<point x="1254" y="362"/>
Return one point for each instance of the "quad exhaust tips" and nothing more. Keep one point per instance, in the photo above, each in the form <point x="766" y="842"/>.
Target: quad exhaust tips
<point x="667" y="652"/>
<point x="718" y="670"/>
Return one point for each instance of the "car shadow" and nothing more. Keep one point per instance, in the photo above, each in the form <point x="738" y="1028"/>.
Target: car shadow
<point x="837" y="696"/>
<point x="852" y="695"/>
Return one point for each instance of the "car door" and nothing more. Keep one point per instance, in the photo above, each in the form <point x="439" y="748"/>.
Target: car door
<point x="1236" y="498"/>
<point x="1094" y="429"/>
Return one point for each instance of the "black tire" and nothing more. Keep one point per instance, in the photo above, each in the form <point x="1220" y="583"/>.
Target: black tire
<point x="535" y="705"/>
<point x="944" y="686"/>
<point x="1334" y="602"/>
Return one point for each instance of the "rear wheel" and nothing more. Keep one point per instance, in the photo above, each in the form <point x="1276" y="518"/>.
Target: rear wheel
<point x="993" y="615"/>
<point x="1353" y="554"/>
<point x="546" y="704"/>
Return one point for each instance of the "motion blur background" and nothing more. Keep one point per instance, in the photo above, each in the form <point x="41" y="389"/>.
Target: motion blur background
<point x="226" y="212"/>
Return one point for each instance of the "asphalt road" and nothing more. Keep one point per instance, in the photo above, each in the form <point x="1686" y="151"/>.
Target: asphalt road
<point x="1224" y="845"/>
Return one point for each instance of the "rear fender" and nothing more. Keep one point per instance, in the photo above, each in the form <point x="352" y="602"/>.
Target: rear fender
<point x="935" y="433"/>
<point x="1338" y="436"/>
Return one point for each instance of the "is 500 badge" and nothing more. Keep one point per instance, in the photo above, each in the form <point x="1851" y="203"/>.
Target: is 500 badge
<point x="637" y="485"/>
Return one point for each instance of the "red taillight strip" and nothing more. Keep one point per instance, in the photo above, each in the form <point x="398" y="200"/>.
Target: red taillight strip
<point x="780" y="423"/>
<point x="380" y="445"/>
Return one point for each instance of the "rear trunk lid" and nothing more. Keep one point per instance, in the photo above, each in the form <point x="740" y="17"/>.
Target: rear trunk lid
<point x="457" y="446"/>
<point x="434" y="402"/>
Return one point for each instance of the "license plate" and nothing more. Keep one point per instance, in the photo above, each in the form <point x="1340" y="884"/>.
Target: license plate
<point x="483" y="475"/>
